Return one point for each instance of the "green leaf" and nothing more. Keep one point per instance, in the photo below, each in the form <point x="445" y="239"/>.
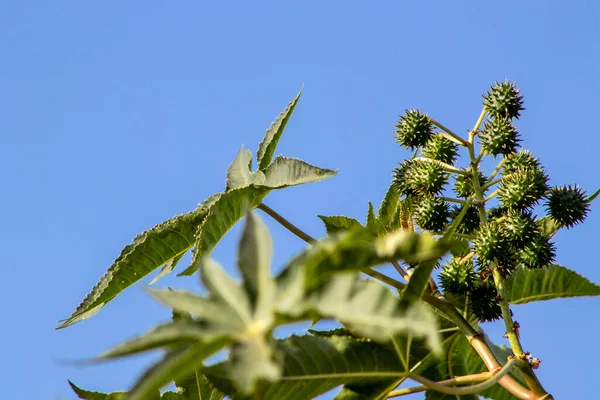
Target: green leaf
<point x="358" y="249"/>
<point x="197" y="387"/>
<point x="254" y="262"/>
<point x="175" y="365"/>
<point x="172" y="396"/>
<point x="239" y="172"/>
<point x="419" y="279"/>
<point x="167" y="269"/>
<point x="370" y="309"/>
<point x="151" y="249"/>
<point x="170" y="334"/>
<point x="339" y="223"/>
<point x="371" y="218"/>
<point x="389" y="206"/>
<point x="251" y="361"/>
<point x="266" y="148"/>
<point x="87" y="395"/>
<point x="222" y="216"/>
<point x="312" y="366"/>
<point x="285" y="171"/>
<point x="551" y="282"/>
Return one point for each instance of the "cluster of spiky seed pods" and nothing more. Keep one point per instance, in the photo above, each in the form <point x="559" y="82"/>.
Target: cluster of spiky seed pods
<point x="504" y="237"/>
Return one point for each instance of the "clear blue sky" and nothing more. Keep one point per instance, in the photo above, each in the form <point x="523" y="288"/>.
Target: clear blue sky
<point x="118" y="115"/>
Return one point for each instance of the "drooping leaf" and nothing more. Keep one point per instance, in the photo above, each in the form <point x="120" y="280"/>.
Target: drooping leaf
<point x="254" y="262"/>
<point x="151" y="249"/>
<point x="88" y="395"/>
<point x="285" y="171"/>
<point x="358" y="249"/>
<point x="175" y="365"/>
<point x="197" y="387"/>
<point x="312" y="366"/>
<point x="266" y="148"/>
<point x="223" y="214"/>
<point x="551" y="282"/>
<point x="239" y="173"/>
<point x="389" y="206"/>
<point x="339" y="223"/>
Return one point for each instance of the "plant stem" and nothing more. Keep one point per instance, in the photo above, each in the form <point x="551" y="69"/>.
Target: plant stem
<point x="448" y="382"/>
<point x="491" y="195"/>
<point x="453" y="200"/>
<point x="511" y="333"/>
<point x="446" y="167"/>
<point x="453" y="135"/>
<point x="491" y="378"/>
<point x="286" y="224"/>
<point x="400" y="270"/>
<point x="495" y="171"/>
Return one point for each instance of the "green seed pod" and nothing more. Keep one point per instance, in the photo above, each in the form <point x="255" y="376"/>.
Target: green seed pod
<point x="499" y="136"/>
<point x="400" y="178"/>
<point x="523" y="159"/>
<point x="520" y="228"/>
<point x="470" y="220"/>
<point x="503" y="100"/>
<point x="484" y="302"/>
<point x="523" y="189"/>
<point x="567" y="205"/>
<point x="463" y="186"/>
<point x="431" y="213"/>
<point x="495" y="213"/>
<point x="441" y="149"/>
<point x="458" y="278"/>
<point x="426" y="177"/>
<point x="414" y="129"/>
<point x="490" y="243"/>
<point x="537" y="254"/>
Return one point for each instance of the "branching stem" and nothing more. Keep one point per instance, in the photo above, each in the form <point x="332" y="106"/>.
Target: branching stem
<point x="456" y="138"/>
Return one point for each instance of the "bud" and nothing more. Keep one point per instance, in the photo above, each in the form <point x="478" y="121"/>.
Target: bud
<point x="414" y="129"/>
<point x="503" y="101"/>
<point x="567" y="205"/>
<point x="441" y="149"/>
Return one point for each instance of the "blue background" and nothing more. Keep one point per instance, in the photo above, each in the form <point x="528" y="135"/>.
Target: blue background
<point x="117" y="115"/>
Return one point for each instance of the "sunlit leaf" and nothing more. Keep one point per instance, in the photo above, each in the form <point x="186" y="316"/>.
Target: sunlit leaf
<point x="239" y="173"/>
<point x="339" y="223"/>
<point x="285" y="171"/>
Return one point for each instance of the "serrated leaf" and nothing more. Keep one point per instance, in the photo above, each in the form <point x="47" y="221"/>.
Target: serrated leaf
<point x="239" y="173"/>
<point x="88" y="395"/>
<point x="312" y="366"/>
<point x="150" y="250"/>
<point x="358" y="249"/>
<point x="175" y="365"/>
<point x="197" y="387"/>
<point x="266" y="148"/>
<point x="285" y="171"/>
<point x="254" y="261"/>
<point x="170" y="334"/>
<point x="389" y="206"/>
<point x="223" y="214"/>
<point x="551" y="282"/>
<point x="166" y="269"/>
<point x="371" y="218"/>
<point x="339" y="223"/>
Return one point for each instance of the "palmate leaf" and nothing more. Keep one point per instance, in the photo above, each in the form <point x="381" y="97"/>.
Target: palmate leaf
<point x="313" y="365"/>
<point x="266" y="148"/>
<point x="526" y="285"/>
<point x="151" y="249"/>
<point x="239" y="173"/>
<point x="339" y="223"/>
<point x="286" y="171"/>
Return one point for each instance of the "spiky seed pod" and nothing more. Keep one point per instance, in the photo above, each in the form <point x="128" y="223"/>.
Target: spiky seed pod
<point x="499" y="136"/>
<point x="458" y="278"/>
<point x="523" y="189"/>
<point x="503" y="100"/>
<point x="520" y="228"/>
<point x="414" y="129"/>
<point x="537" y="254"/>
<point x="484" y="302"/>
<point x="400" y="181"/>
<point x="441" y="149"/>
<point x="490" y="243"/>
<point x="463" y="186"/>
<point x="431" y="213"/>
<point x="470" y="220"/>
<point x="426" y="177"/>
<point x="523" y="159"/>
<point x="495" y="213"/>
<point x="567" y="205"/>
